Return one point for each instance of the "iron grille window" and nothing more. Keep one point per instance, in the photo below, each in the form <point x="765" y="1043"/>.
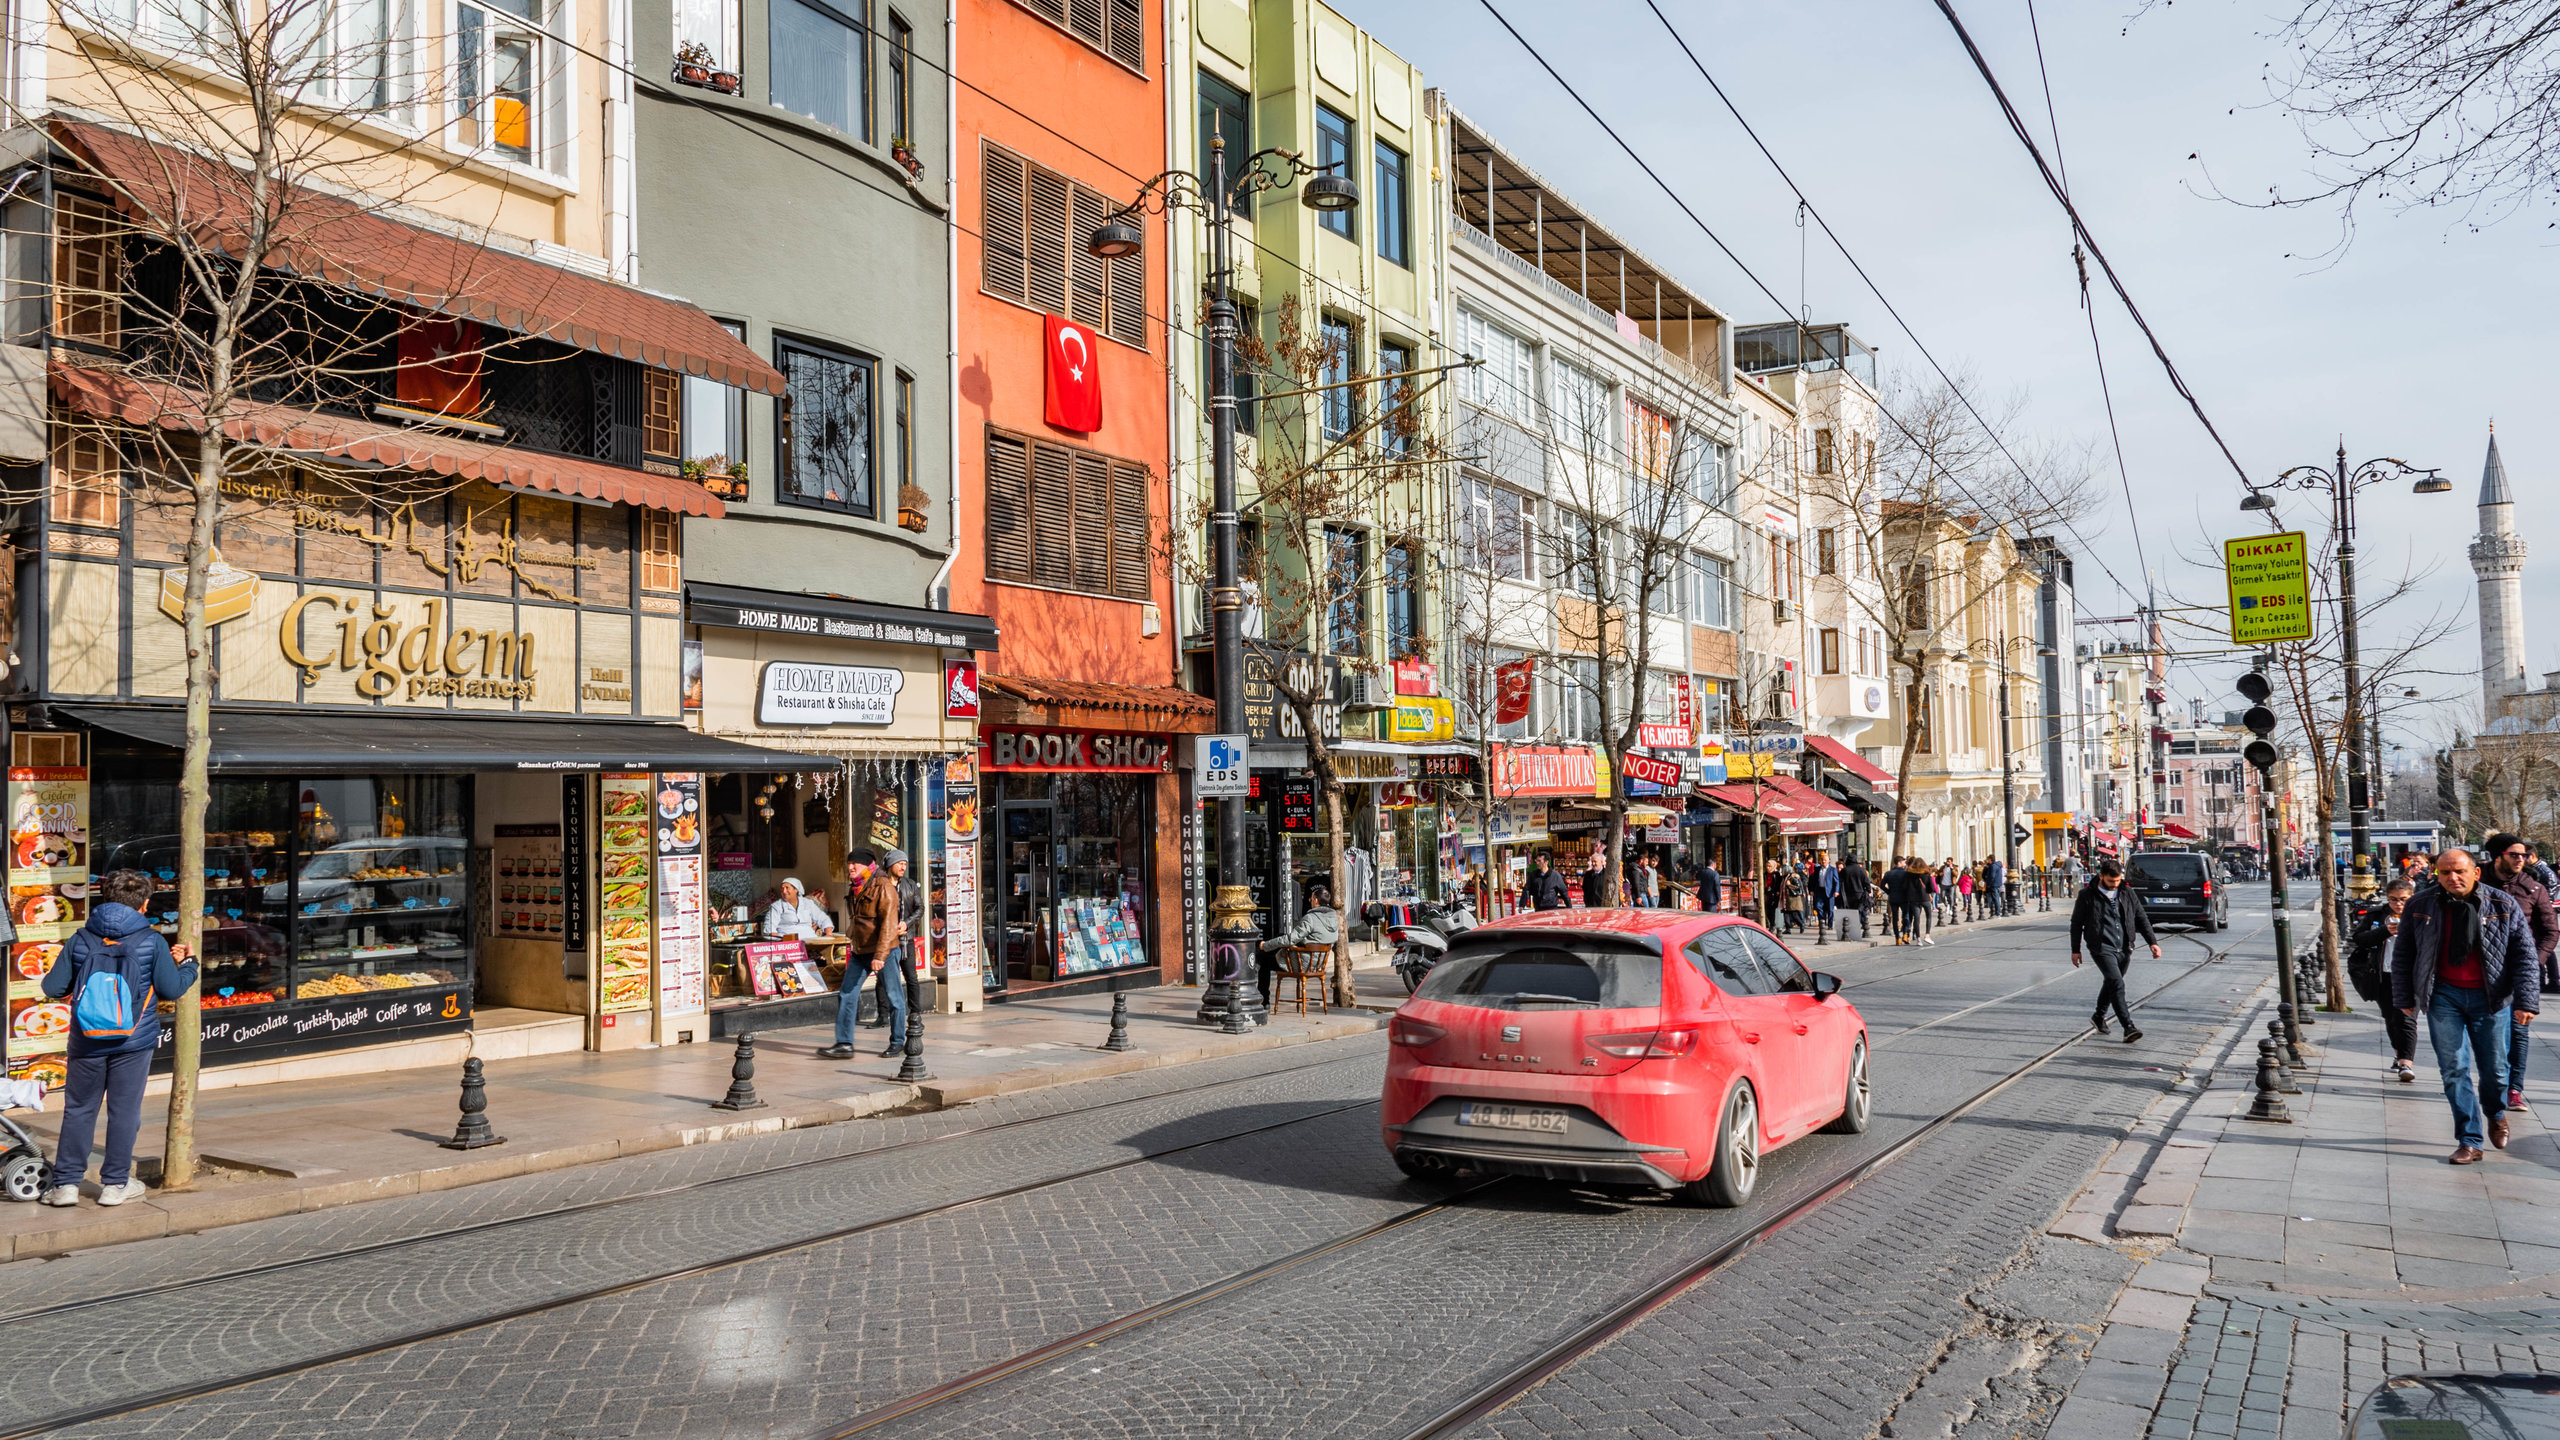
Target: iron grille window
<point x="1117" y="28"/>
<point x="1032" y="223"/>
<point x="1066" y="517"/>
<point x="823" y="441"/>
<point x="1339" y="403"/>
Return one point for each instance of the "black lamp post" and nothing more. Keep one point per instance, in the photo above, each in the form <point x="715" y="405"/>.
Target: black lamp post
<point x="1232" y="936"/>
<point x="2342" y="485"/>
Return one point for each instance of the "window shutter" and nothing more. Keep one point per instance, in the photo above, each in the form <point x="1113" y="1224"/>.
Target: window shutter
<point x="1053" y="516"/>
<point x="85" y="474"/>
<point x="1084" y="17"/>
<point x="87" y="273"/>
<point x="1002" y="240"/>
<point x="1048" y="206"/>
<point x="1129" y="299"/>
<point x="662" y="422"/>
<point x="1008" y="508"/>
<point x="1093" y="522"/>
<point x="1127" y="40"/>
<point x="1089" y="297"/>
<point x="661" y="566"/>
<point x="1056" y="10"/>
<point x="1132" y="536"/>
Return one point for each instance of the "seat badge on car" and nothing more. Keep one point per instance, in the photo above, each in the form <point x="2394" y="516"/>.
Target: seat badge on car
<point x="1510" y="1033"/>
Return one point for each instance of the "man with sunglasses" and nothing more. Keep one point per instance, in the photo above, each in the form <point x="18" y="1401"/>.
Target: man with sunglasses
<point x="2511" y="869"/>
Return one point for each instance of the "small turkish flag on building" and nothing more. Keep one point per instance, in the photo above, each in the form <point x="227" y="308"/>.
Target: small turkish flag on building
<point x="1075" y="377"/>
<point x="1511" y="690"/>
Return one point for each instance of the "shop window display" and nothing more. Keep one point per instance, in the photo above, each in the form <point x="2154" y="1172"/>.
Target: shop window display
<point x="1074" y="858"/>
<point x="765" y="829"/>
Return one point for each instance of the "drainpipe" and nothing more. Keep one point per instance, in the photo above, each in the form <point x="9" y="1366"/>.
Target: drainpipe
<point x="937" y="591"/>
<point x="1176" y="17"/>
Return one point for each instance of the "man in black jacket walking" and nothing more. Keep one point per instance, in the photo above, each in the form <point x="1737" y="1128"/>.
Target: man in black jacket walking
<point x="1546" y="887"/>
<point x="2466" y="963"/>
<point x="1855" y="894"/>
<point x="2106" y="917"/>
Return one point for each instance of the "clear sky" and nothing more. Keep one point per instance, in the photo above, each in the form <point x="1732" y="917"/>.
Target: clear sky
<point x="2408" y="344"/>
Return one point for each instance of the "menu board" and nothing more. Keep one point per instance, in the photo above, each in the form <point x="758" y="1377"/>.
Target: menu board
<point x="766" y="960"/>
<point x="956" y="946"/>
<point x="677" y="814"/>
<point x="48" y="900"/>
<point x="529" y="890"/>
<point x="624" y="883"/>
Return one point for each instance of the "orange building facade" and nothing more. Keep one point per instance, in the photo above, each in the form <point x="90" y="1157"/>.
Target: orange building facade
<point x="1086" y="822"/>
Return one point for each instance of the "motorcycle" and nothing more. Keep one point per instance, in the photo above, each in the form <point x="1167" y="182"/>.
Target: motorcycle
<point x="1421" y="933"/>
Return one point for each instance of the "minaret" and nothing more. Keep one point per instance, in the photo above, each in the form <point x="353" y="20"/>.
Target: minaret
<point x="2497" y="557"/>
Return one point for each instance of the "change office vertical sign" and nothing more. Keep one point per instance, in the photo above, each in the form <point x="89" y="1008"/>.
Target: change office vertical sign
<point x="2270" y="580"/>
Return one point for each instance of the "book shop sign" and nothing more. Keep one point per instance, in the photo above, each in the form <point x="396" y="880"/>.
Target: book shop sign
<point x="1006" y="747"/>
<point x="797" y="693"/>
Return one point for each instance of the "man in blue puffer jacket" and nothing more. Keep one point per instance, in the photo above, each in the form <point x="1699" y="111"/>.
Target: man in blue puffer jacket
<point x="117" y="940"/>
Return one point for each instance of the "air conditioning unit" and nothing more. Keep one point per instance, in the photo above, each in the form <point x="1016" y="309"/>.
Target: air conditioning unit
<point x="1369" y="691"/>
<point x="1781" y="612"/>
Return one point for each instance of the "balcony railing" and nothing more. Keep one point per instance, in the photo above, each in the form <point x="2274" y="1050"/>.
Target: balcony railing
<point x="1645" y="345"/>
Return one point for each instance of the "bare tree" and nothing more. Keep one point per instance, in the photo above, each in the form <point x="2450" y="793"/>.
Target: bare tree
<point x="229" y="267"/>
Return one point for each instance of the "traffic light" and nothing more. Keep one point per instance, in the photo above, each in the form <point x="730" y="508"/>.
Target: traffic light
<point x="2259" y="721"/>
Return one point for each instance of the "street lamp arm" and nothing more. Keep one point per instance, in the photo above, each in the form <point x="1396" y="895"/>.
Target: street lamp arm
<point x="1262" y="172"/>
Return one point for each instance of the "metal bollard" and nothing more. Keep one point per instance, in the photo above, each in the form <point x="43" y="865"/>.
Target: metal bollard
<point x="2284" y="1064"/>
<point x="742" y="1079"/>
<point x="472" y="1130"/>
<point x="2286" y="1016"/>
<point x="1237" y="1022"/>
<point x="1119" y="1022"/>
<point x="911" y="1069"/>
<point x="2268" y="1105"/>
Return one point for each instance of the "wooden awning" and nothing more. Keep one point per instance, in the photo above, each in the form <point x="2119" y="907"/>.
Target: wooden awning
<point x="338" y="242"/>
<point x="1025" y="699"/>
<point x="107" y="395"/>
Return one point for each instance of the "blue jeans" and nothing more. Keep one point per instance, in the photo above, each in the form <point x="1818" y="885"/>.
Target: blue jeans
<point x="2521" y="1040"/>
<point x="117" y="1081"/>
<point x="2468" y="1029"/>
<point x="893" y="994"/>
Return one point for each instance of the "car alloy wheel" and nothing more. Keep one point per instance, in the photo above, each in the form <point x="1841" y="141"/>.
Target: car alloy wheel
<point x="1736" y="1167"/>
<point x="1858" y="1104"/>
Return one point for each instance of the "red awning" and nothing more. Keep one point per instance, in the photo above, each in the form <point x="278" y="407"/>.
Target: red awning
<point x="110" y="396"/>
<point x="1878" y="779"/>
<point x="2180" y="832"/>
<point x="1796" y="808"/>
<point x="340" y="243"/>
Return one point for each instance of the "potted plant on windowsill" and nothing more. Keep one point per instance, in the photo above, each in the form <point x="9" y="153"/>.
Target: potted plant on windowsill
<point x="911" y="506"/>
<point x="903" y="150"/>
<point x="719" y="475"/>
<point x="697" y="66"/>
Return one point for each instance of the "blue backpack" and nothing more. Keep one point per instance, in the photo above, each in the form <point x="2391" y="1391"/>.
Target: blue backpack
<point x="105" y="1010"/>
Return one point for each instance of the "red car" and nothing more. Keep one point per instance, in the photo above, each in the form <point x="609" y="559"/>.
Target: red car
<point x="1649" y="1048"/>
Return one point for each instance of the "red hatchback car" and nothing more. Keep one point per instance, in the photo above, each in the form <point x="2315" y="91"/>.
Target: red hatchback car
<point x="1650" y="1048"/>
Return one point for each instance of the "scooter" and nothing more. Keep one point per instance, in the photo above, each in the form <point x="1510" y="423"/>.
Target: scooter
<point x="1421" y="932"/>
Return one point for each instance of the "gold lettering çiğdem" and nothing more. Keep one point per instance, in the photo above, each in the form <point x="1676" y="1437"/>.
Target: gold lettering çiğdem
<point x="395" y="657"/>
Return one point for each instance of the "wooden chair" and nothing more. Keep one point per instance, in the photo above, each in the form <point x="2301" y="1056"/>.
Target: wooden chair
<point x="1302" y="965"/>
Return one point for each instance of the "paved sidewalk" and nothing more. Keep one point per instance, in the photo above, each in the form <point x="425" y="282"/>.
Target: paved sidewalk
<point x="309" y="1145"/>
<point x="2291" y="1268"/>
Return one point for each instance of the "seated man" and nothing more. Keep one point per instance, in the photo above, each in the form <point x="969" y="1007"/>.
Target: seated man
<point x="795" y="916"/>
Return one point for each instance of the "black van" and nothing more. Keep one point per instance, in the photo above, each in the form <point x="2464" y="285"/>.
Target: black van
<point x="2180" y="887"/>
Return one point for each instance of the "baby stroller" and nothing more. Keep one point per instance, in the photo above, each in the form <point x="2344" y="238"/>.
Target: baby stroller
<point x="23" y="1166"/>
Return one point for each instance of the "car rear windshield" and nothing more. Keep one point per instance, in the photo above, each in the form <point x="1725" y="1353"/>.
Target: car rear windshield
<point x="1547" y="974"/>
<point x="2170" y="869"/>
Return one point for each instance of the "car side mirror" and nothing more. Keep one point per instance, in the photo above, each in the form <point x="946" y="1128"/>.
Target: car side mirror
<point x="1825" y="986"/>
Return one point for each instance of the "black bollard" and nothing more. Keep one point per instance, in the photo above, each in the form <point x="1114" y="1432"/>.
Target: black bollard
<point x="2268" y="1104"/>
<point x="1119" y="1022"/>
<point x="2291" y="1037"/>
<point x="912" y="1068"/>
<point x="2284" y="1066"/>
<point x="742" y="1079"/>
<point x="1237" y="1022"/>
<point x="472" y="1130"/>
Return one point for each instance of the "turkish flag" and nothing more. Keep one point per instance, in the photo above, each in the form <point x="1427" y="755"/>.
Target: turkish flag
<point x="439" y="367"/>
<point x="1075" y="377"/>
<point x="1511" y="690"/>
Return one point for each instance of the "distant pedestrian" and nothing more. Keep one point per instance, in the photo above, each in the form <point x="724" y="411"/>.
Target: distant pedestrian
<point x="1826" y="888"/>
<point x="2472" y="972"/>
<point x="871" y="924"/>
<point x="1546" y="890"/>
<point x="2509" y="859"/>
<point x="1964" y="892"/>
<point x="2540" y="871"/>
<point x="1997" y="874"/>
<point x="1857" y="892"/>
<point x="1647" y="883"/>
<point x="2106" y="917"/>
<point x="115" y="970"/>
<point x="1710" y="887"/>
<point x="2369" y="962"/>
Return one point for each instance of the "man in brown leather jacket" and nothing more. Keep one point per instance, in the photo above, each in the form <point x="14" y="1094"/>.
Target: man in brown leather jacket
<point x="871" y="923"/>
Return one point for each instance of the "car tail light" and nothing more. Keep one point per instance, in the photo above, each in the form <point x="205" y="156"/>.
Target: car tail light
<point x="1646" y="1044"/>
<point x="1401" y="1031"/>
<point x="2208" y="889"/>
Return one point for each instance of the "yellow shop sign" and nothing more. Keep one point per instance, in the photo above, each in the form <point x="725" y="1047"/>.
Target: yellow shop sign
<point x="423" y="658"/>
<point x="1420" y="717"/>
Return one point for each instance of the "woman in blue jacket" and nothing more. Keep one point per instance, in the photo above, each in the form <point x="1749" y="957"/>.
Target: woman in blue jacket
<point x="118" y="940"/>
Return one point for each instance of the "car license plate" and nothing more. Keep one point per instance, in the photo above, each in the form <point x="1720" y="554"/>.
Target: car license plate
<point x="1512" y="1117"/>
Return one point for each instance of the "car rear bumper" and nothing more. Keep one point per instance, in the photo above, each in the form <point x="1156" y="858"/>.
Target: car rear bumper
<point x="1590" y="1151"/>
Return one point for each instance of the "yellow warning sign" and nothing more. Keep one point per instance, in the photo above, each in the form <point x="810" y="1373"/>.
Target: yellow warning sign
<point x="2270" y="580"/>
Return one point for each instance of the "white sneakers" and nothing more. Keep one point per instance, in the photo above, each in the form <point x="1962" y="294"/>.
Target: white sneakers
<point x="60" y="1195"/>
<point x="118" y="1194"/>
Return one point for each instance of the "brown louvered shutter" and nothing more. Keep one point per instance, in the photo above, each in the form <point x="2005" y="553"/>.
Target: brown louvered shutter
<point x="1129" y="299"/>
<point x="662" y="422"/>
<point x="87" y="272"/>
<point x="1000" y="223"/>
<point x="1084" y="17"/>
<point x="1093" y="523"/>
<point x="1055" y="9"/>
<point x="1048" y="217"/>
<point x="1008" y="508"/>
<point x="1089" y="298"/>
<point x="1126" y="40"/>
<point x="1053" y="516"/>
<point x="1132" y="535"/>
<point x="661" y="550"/>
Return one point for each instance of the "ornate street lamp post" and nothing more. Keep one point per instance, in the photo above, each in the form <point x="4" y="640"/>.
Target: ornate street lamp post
<point x="1232" y="936"/>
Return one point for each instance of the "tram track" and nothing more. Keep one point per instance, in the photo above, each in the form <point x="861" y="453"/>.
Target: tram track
<point x="1580" y="1341"/>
